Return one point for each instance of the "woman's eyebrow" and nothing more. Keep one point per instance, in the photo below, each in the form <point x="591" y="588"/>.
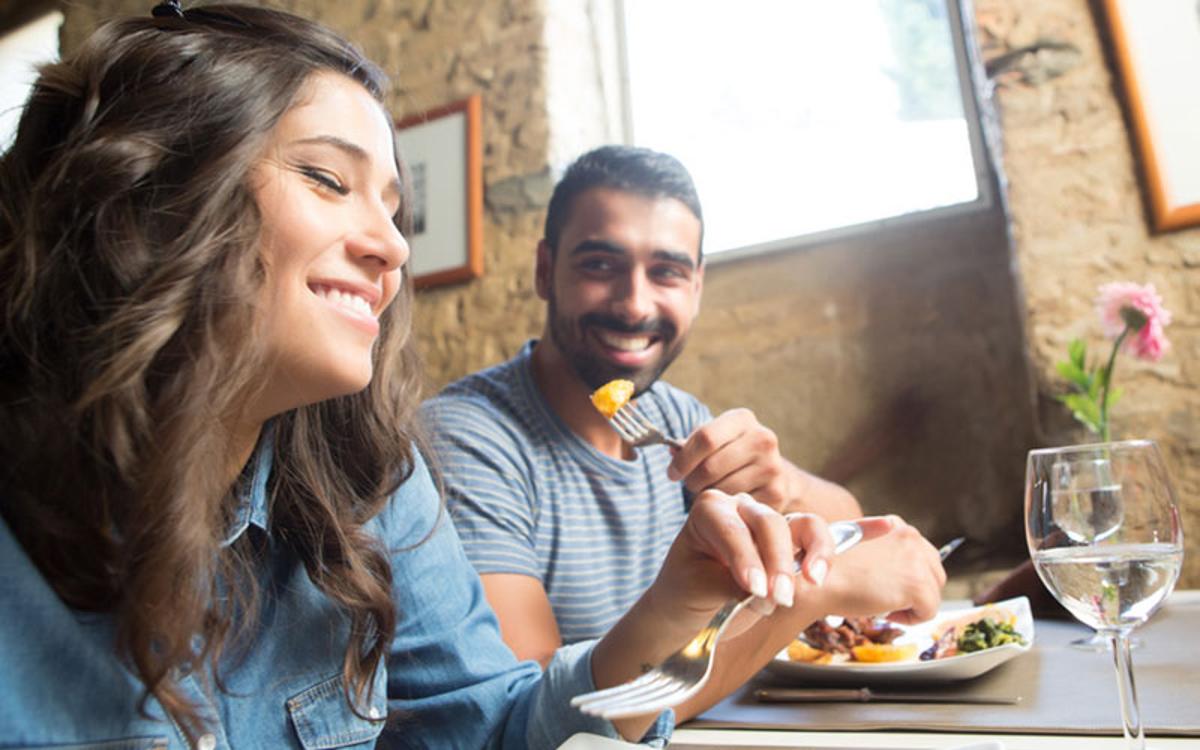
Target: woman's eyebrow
<point x="354" y="151"/>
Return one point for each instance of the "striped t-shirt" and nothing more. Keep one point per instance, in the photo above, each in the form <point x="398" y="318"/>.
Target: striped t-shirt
<point x="528" y="496"/>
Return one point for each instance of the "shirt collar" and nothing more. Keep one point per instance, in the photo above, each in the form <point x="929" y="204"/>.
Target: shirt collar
<point x="252" y="496"/>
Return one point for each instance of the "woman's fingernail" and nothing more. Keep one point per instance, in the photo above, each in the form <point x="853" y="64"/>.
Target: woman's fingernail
<point x="764" y="607"/>
<point x="758" y="582"/>
<point x="785" y="590"/>
<point x="817" y="571"/>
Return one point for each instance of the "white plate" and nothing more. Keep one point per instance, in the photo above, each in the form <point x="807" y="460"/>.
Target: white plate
<point x="948" y="669"/>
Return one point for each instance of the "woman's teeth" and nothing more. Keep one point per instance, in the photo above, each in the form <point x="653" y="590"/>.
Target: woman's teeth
<point x="345" y="299"/>
<point x="624" y="343"/>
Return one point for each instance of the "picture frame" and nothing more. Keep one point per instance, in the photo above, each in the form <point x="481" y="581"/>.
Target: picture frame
<point x="443" y="149"/>
<point x="1156" y="49"/>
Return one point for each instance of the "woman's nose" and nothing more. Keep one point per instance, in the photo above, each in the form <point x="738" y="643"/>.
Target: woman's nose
<point x="382" y="241"/>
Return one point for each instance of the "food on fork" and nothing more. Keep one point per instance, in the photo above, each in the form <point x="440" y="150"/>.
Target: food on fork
<point x="611" y="396"/>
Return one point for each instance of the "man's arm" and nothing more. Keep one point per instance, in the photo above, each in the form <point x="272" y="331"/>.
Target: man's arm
<point x="527" y="622"/>
<point x="813" y="494"/>
<point x="735" y="453"/>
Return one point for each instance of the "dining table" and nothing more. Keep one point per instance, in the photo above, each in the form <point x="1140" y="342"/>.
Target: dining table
<point x="1060" y="698"/>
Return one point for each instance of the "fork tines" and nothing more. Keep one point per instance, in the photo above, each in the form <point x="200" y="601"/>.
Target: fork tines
<point x="651" y="693"/>
<point x="627" y="424"/>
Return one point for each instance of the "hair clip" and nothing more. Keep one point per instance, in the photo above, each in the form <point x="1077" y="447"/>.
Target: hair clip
<point x="168" y="9"/>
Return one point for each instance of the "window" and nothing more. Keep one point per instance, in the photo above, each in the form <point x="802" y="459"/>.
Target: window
<point x="21" y="51"/>
<point x="801" y="116"/>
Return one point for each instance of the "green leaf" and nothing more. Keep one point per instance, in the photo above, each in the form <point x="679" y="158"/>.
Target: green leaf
<point x="1084" y="409"/>
<point x="1073" y="375"/>
<point x="1077" y="351"/>
<point x="1113" y="395"/>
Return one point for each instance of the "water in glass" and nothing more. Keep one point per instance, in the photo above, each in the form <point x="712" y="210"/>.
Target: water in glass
<point x="1104" y="533"/>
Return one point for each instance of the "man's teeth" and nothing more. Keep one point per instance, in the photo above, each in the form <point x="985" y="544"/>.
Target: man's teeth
<point x="624" y="343"/>
<point x="345" y="299"/>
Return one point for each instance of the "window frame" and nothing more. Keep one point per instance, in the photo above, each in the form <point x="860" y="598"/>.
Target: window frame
<point x="974" y="89"/>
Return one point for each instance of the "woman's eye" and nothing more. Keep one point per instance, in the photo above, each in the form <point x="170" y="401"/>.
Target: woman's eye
<point x="325" y="180"/>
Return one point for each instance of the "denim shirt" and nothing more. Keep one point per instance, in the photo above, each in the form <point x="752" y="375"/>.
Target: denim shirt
<point x="448" y="681"/>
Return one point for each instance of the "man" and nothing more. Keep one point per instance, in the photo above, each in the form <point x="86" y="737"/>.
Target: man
<point x="567" y="524"/>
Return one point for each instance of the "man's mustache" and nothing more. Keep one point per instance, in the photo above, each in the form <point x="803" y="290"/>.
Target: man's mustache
<point x="664" y="329"/>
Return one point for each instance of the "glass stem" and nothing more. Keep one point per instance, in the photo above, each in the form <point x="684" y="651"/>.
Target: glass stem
<point x="1131" y="715"/>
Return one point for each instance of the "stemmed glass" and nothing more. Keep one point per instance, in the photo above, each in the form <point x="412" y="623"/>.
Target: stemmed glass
<point x="1104" y="533"/>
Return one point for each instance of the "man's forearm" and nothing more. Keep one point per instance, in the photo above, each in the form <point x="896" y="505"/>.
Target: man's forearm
<point x="811" y="494"/>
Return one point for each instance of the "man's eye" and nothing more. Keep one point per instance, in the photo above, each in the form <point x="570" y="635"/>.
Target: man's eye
<point x="670" y="273"/>
<point x="596" y="264"/>
<point x="325" y="180"/>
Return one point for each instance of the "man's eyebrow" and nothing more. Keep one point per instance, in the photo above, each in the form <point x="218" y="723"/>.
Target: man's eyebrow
<point x="604" y="246"/>
<point x="675" y="256"/>
<point x="599" y="246"/>
<point x="355" y="151"/>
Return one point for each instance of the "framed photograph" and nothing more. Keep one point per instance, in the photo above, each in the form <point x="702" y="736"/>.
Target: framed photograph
<point x="444" y="152"/>
<point x="1156" y="46"/>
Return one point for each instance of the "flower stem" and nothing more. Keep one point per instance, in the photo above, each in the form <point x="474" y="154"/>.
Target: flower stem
<point x="1105" y="432"/>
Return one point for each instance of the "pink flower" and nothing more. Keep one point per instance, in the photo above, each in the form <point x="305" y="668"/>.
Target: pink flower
<point x="1123" y="304"/>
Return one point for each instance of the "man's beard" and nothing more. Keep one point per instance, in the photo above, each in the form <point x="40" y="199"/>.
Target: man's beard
<point x="569" y="334"/>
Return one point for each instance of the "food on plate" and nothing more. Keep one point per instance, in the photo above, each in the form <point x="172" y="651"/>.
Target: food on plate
<point x="881" y="652"/>
<point x="864" y="639"/>
<point x="798" y="650"/>
<point x="611" y="396"/>
<point x="870" y="640"/>
<point x="982" y="629"/>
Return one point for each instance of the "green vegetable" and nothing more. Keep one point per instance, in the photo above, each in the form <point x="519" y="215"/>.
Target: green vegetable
<point x="987" y="633"/>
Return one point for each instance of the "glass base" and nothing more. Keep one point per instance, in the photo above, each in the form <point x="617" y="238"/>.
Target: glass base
<point x="1099" y="643"/>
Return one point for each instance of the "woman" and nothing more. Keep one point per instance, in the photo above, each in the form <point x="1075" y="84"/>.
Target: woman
<point x="217" y="531"/>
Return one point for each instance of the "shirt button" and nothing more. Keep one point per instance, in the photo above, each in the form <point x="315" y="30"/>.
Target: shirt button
<point x="206" y="742"/>
<point x="375" y="712"/>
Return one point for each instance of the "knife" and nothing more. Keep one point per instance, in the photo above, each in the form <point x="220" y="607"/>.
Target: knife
<point x="867" y="695"/>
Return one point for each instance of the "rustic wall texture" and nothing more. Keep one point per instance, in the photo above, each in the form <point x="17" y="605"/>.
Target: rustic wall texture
<point x="916" y="365"/>
<point x="1079" y="220"/>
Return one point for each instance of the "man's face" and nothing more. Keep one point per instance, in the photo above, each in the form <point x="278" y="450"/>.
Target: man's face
<point x="623" y="286"/>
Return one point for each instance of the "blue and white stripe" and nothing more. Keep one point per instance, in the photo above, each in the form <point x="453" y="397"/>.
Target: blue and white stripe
<point x="528" y="496"/>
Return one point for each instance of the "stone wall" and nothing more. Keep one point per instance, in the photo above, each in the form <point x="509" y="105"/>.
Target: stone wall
<point x="896" y="363"/>
<point x="1080" y="219"/>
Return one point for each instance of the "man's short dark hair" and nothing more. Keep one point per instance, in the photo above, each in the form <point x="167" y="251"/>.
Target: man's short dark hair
<point x="630" y="169"/>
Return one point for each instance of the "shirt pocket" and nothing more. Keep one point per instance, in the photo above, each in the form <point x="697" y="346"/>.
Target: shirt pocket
<point x="323" y="719"/>
<point x="133" y="743"/>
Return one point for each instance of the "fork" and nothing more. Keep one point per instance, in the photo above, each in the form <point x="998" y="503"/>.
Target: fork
<point x="684" y="672"/>
<point x="635" y="429"/>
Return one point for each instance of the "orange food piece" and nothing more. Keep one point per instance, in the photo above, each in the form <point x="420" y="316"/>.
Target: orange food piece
<point x="798" y="650"/>
<point x="881" y="652"/>
<point x="611" y="396"/>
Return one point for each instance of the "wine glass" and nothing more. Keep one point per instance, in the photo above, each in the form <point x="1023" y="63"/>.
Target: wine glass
<point x="1105" y="536"/>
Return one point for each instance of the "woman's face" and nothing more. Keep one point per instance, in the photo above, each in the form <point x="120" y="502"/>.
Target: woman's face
<point x="327" y="189"/>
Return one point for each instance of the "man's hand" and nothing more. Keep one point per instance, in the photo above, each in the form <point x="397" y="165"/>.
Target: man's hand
<point x="899" y="574"/>
<point x="735" y="453"/>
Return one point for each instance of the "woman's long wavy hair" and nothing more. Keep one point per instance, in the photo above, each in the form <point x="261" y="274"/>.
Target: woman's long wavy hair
<point x="129" y="278"/>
